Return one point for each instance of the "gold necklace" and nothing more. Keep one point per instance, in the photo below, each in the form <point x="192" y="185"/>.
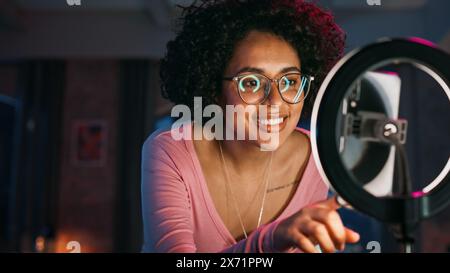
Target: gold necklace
<point x="227" y="178"/>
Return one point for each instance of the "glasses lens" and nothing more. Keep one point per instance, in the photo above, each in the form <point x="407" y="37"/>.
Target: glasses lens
<point x="294" y="87"/>
<point x="253" y="88"/>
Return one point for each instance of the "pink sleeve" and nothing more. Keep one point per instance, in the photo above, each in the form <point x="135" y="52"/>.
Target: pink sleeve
<point x="165" y="203"/>
<point x="167" y="211"/>
<point x="259" y="241"/>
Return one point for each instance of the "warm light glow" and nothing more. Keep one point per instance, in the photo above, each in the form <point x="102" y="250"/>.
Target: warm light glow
<point x="39" y="244"/>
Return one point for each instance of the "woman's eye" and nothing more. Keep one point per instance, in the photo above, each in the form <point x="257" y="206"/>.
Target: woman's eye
<point x="288" y="82"/>
<point x="291" y="81"/>
<point x="250" y="83"/>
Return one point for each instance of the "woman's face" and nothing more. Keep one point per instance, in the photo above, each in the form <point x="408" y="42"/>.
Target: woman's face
<point x="269" y="55"/>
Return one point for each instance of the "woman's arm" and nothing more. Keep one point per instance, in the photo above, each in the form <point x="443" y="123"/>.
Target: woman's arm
<point x="166" y="207"/>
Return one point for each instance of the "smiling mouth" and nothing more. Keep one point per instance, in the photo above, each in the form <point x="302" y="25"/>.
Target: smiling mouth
<point x="274" y="124"/>
<point x="272" y="121"/>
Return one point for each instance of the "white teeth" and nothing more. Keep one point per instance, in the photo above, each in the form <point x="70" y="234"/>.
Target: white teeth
<point x="274" y="121"/>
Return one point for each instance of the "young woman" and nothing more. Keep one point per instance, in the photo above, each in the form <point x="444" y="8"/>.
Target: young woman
<point x="213" y="195"/>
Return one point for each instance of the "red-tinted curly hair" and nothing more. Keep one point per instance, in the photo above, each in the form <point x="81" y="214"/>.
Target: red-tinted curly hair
<point x="210" y="29"/>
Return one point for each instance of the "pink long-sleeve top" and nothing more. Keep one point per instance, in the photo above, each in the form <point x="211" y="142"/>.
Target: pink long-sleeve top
<point x="179" y="214"/>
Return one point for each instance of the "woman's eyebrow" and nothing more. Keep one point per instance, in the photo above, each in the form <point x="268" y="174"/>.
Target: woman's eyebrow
<point x="261" y="71"/>
<point x="250" y="69"/>
<point x="291" y="68"/>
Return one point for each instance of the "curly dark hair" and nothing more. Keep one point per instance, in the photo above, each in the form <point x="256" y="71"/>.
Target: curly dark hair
<point x="196" y="60"/>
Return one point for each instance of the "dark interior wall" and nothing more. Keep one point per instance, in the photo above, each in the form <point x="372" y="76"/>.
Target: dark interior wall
<point x="140" y="106"/>
<point x="87" y="193"/>
<point x="58" y="199"/>
<point x="134" y="83"/>
<point x="37" y="92"/>
<point x="8" y="79"/>
<point x="9" y="108"/>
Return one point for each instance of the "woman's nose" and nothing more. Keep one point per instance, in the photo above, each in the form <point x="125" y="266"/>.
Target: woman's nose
<point x="274" y="97"/>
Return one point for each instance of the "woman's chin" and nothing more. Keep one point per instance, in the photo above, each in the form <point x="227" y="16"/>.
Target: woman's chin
<point x="271" y="143"/>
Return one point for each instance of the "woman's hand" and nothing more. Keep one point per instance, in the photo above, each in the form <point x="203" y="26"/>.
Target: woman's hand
<point x="316" y="224"/>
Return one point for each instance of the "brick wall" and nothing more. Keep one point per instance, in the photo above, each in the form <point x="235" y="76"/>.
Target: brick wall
<point x="86" y="194"/>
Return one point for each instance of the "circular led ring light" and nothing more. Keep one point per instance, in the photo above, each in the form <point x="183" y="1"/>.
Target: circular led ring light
<point x="424" y="56"/>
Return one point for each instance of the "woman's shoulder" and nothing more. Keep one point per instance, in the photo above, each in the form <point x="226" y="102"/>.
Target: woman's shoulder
<point x="160" y="137"/>
<point x="300" y="137"/>
<point x="302" y="130"/>
<point x="172" y="141"/>
<point x="170" y="136"/>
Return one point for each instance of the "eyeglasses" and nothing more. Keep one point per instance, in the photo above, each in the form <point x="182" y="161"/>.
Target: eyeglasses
<point x="255" y="88"/>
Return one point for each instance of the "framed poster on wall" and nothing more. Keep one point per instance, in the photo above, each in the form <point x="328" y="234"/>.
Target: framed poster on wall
<point x="89" y="145"/>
